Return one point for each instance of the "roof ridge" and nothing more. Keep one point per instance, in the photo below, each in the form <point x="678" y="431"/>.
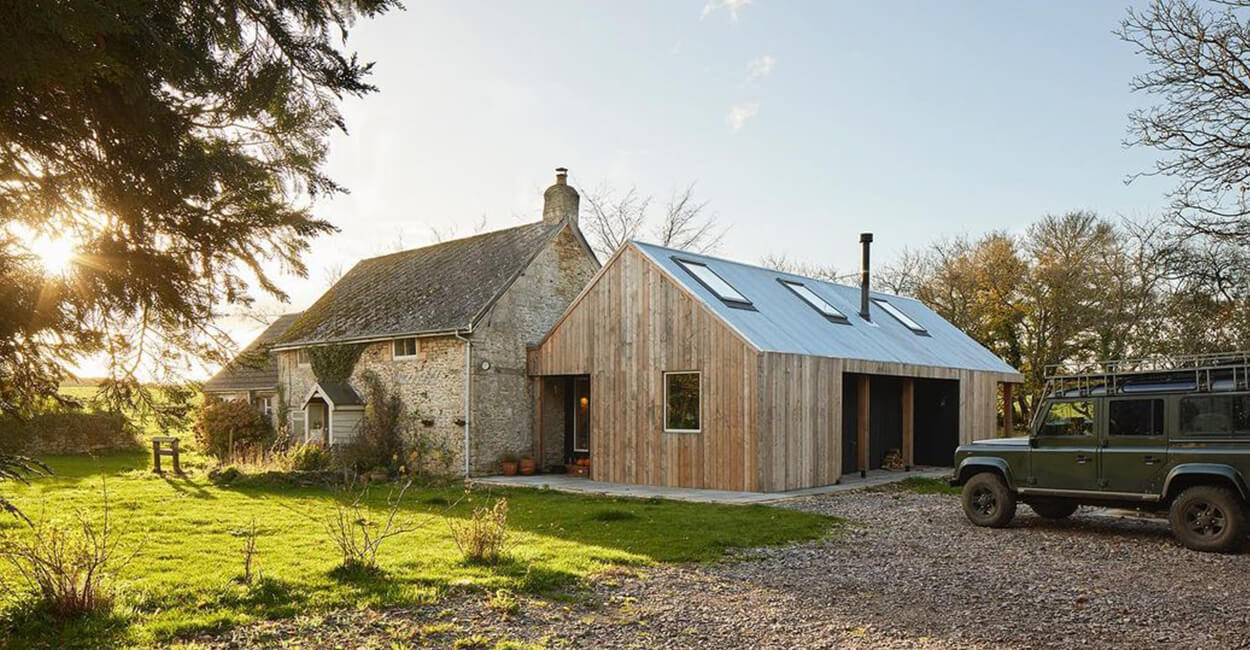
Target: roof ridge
<point x="766" y="269"/>
<point x="460" y="240"/>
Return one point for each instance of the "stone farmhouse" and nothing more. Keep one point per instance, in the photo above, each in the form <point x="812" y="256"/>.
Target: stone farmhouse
<point x="446" y="326"/>
<point x="252" y="376"/>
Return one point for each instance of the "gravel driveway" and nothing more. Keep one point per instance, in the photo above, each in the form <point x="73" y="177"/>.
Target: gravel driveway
<point x="908" y="572"/>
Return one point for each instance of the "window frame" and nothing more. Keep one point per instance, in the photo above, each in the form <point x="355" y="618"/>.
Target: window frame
<point x="699" y="402"/>
<point x="1092" y="435"/>
<point x="302" y="359"/>
<point x="901" y="316"/>
<point x="416" y="348"/>
<point x="1232" y="434"/>
<point x="744" y="303"/>
<point x="1160" y="424"/>
<point x="793" y="286"/>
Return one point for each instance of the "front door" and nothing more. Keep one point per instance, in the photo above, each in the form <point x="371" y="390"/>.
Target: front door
<point x="1065" y="452"/>
<point x="581" y="417"/>
<point x="316" y="422"/>
<point x="1135" y="451"/>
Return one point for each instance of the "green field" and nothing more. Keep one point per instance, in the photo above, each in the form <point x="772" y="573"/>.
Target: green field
<point x="189" y="536"/>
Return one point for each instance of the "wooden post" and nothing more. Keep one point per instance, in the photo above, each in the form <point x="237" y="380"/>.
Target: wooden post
<point x="156" y="456"/>
<point x="540" y="387"/>
<point x="861" y="426"/>
<point x="177" y="451"/>
<point x="1008" y="410"/>
<point x="909" y="423"/>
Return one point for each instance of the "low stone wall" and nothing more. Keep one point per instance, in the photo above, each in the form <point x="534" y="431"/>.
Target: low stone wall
<point x="69" y="432"/>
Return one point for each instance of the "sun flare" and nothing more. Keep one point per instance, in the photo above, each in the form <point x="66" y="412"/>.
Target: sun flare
<point x="54" y="254"/>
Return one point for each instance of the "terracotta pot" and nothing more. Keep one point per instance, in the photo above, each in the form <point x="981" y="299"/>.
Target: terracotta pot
<point x="509" y="467"/>
<point x="528" y="466"/>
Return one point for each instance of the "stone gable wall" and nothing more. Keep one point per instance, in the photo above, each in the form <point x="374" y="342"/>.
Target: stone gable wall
<point x="503" y="404"/>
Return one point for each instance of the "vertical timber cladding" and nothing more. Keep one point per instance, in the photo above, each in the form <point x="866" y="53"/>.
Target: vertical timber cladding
<point x="630" y="326"/>
<point x="800" y="414"/>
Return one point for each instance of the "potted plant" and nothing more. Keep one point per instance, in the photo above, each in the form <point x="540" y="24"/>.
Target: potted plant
<point x="528" y="466"/>
<point x="509" y="464"/>
<point x="379" y="473"/>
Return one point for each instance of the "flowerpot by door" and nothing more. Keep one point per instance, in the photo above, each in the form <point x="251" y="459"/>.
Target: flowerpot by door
<point x="509" y="468"/>
<point x="528" y="466"/>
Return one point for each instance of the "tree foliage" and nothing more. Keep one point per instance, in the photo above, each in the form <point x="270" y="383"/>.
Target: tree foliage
<point x="178" y="145"/>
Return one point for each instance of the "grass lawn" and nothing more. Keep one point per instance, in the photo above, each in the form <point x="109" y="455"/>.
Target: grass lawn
<point x="189" y="535"/>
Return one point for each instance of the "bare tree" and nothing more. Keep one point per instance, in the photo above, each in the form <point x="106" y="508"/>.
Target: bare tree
<point x="612" y="218"/>
<point x="332" y="273"/>
<point x="687" y="225"/>
<point x="785" y="264"/>
<point x="1200" y="67"/>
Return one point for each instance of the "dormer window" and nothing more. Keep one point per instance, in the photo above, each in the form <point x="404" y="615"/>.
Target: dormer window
<point x="816" y="302"/>
<point x="900" y="316"/>
<point x="715" y="283"/>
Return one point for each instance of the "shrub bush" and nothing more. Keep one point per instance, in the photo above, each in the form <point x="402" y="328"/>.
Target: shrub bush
<point x="310" y="458"/>
<point x="380" y="440"/>
<point x="225" y="427"/>
<point x="483" y="538"/>
<point x="65" y="569"/>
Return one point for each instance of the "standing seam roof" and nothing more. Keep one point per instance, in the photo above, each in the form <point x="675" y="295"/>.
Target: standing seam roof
<point x="784" y="322"/>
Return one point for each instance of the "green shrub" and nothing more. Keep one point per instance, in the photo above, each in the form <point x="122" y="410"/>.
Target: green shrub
<point x="380" y="440"/>
<point x="226" y="427"/>
<point x="310" y="458"/>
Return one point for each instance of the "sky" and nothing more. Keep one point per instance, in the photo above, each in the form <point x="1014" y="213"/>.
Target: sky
<point x="801" y="124"/>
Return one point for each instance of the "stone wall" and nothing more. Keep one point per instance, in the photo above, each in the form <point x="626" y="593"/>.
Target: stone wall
<point x="503" y="415"/>
<point x="432" y="384"/>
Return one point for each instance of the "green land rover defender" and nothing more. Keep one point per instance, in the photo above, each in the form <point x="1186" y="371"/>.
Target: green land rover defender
<point x="1167" y="434"/>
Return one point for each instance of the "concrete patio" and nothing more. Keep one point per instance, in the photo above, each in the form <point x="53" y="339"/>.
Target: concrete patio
<point x="581" y="485"/>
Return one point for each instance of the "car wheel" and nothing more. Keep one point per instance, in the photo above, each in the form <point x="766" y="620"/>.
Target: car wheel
<point x="988" y="501"/>
<point x="1209" y="518"/>
<point x="1054" y="509"/>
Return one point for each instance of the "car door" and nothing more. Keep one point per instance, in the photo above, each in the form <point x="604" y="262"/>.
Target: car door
<point x="1135" y="448"/>
<point x="1065" y="446"/>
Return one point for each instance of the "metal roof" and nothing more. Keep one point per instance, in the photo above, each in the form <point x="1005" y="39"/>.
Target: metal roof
<point x="781" y="321"/>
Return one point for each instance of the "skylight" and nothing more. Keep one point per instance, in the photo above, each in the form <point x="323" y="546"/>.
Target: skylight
<point x="817" y="303"/>
<point x="714" y="283"/>
<point x="900" y="316"/>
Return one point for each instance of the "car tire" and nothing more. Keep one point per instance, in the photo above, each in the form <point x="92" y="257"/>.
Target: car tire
<point x="1209" y="518"/>
<point x="1054" y="509"/>
<point x="988" y="501"/>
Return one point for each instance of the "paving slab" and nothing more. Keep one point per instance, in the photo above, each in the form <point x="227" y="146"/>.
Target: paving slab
<point x="582" y="485"/>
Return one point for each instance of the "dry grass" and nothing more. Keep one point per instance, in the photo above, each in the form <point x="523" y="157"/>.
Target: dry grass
<point x="484" y="536"/>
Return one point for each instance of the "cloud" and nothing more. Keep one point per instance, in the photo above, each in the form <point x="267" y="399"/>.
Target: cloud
<point x="740" y="113"/>
<point x="730" y="5"/>
<point x="760" y="67"/>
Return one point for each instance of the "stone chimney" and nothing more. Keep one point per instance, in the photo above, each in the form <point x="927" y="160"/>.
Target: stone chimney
<point x="560" y="201"/>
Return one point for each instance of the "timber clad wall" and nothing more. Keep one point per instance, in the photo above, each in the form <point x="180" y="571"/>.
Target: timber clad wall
<point x="771" y="421"/>
<point x="630" y="327"/>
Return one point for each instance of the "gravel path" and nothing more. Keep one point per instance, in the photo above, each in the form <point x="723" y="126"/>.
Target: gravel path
<point x="909" y="572"/>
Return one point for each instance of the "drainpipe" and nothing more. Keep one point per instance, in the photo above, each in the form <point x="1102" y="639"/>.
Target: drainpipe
<point x="468" y="383"/>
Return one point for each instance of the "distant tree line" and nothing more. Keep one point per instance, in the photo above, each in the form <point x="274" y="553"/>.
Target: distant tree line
<point x="1078" y="288"/>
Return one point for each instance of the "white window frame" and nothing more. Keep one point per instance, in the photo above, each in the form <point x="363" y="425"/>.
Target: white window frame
<point x="898" y="314"/>
<point x="416" y="348"/>
<point x="664" y="413"/>
<point x="302" y="359"/>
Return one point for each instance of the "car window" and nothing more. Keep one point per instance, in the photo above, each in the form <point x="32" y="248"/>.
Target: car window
<point x="1135" y="417"/>
<point x="1075" y="418"/>
<point x="1215" y="415"/>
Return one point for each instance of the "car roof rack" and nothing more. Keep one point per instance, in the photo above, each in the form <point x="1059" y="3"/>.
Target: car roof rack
<point x="1191" y="372"/>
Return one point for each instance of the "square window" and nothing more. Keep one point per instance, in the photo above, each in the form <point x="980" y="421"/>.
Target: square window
<point x="301" y="357"/>
<point x="681" y="402"/>
<point x="1068" y="419"/>
<point x="405" y="348"/>
<point x="1135" y="417"/>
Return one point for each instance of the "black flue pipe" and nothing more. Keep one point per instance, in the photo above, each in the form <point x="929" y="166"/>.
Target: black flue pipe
<point x="865" y="240"/>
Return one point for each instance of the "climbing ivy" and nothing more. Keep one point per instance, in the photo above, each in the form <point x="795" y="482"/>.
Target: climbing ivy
<point x="334" y="363"/>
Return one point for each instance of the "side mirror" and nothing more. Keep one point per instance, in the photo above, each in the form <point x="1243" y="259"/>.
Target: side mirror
<point x="1033" y="442"/>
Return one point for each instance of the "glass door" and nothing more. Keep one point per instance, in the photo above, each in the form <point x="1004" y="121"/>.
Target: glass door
<point x="581" y="415"/>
